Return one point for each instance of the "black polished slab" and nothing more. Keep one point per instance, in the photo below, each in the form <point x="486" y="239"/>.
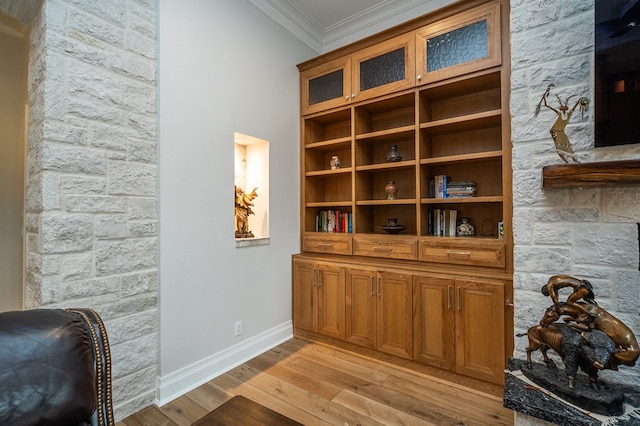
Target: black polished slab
<point x="522" y="396"/>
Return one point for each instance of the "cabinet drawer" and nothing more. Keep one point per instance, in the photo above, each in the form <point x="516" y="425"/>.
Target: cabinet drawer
<point x="333" y="244"/>
<point x="387" y="247"/>
<point x="469" y="252"/>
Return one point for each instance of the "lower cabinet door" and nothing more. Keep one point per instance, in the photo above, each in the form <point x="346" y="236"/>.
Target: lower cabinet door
<point x="331" y="300"/>
<point x="394" y="316"/>
<point x="433" y="322"/>
<point x="480" y="329"/>
<point x="379" y="311"/>
<point x="361" y="301"/>
<point x="304" y="295"/>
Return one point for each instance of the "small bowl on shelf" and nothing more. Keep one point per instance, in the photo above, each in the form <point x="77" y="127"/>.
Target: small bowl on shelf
<point x="392" y="227"/>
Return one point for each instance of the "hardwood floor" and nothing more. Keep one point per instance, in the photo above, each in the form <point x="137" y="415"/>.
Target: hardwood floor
<point x="316" y="384"/>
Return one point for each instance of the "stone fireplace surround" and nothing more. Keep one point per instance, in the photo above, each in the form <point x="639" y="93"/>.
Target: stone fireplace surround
<point x="588" y="233"/>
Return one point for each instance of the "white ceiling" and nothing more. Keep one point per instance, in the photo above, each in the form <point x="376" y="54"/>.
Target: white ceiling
<point x="325" y="25"/>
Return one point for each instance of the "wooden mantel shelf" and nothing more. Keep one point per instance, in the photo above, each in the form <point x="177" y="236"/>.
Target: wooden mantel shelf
<point x="591" y="175"/>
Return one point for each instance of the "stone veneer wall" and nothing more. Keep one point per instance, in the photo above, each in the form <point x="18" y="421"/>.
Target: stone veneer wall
<point x="588" y="233"/>
<point x="91" y="177"/>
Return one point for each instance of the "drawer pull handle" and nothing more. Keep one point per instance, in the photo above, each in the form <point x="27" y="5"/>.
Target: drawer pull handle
<point x="325" y="245"/>
<point x="382" y="248"/>
<point x="459" y="253"/>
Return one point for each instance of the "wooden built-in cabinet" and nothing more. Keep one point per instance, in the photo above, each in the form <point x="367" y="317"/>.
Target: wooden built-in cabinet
<point x="459" y="324"/>
<point x="438" y="89"/>
<point x="480" y="25"/>
<point x="379" y="310"/>
<point x="319" y="297"/>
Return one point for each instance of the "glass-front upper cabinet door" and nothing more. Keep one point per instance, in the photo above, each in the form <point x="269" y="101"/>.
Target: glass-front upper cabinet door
<point x="386" y="67"/>
<point x="326" y="86"/>
<point x="466" y="42"/>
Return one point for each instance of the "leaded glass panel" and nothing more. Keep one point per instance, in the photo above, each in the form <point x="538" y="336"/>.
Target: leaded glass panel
<point x="326" y="87"/>
<point x="382" y="69"/>
<point x="458" y="46"/>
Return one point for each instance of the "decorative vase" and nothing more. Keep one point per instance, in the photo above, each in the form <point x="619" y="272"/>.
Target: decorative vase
<point x="334" y="163"/>
<point x="392" y="190"/>
<point x="393" y="154"/>
<point x="465" y="229"/>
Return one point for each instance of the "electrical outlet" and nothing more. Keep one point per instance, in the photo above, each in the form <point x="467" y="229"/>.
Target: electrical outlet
<point x="238" y="328"/>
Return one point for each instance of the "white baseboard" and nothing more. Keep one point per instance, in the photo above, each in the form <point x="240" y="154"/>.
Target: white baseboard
<point x="178" y="383"/>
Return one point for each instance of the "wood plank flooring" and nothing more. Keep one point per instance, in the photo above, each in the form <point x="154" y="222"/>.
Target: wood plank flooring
<point x="316" y="384"/>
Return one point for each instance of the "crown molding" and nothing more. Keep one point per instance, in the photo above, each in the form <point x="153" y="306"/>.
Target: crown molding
<point x="383" y="15"/>
<point x="293" y="20"/>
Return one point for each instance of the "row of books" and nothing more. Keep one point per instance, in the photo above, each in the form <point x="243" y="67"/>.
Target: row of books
<point x="441" y="186"/>
<point x="333" y="221"/>
<point x="443" y="222"/>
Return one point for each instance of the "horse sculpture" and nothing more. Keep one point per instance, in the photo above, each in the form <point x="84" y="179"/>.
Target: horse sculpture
<point x="591" y="338"/>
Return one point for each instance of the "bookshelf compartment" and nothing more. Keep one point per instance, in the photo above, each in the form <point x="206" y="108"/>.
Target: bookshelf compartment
<point x="462" y="142"/>
<point x="484" y="216"/>
<point x="318" y="158"/>
<point x="313" y="219"/>
<point x="370" y="185"/>
<point x="327" y="127"/>
<point x="331" y="188"/>
<point x="460" y="98"/>
<point x="485" y="173"/>
<point x="391" y="113"/>
<point x="374" y="150"/>
<point x="369" y="218"/>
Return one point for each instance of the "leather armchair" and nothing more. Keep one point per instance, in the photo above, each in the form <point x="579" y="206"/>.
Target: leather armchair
<point x="55" y="368"/>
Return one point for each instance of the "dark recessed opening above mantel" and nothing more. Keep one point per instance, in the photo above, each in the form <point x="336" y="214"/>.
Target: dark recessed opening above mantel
<point x="592" y="175"/>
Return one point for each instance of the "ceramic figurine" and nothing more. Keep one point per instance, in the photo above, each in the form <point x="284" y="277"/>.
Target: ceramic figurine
<point x="334" y="163"/>
<point x="392" y="190"/>
<point x="465" y="229"/>
<point x="393" y="155"/>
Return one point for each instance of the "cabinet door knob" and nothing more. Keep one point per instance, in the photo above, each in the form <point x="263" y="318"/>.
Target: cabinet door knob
<point x="448" y="297"/>
<point x="347" y="97"/>
<point x="419" y="77"/>
<point x="353" y="95"/>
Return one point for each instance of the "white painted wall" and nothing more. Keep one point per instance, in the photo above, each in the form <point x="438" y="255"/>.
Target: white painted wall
<point x="224" y="67"/>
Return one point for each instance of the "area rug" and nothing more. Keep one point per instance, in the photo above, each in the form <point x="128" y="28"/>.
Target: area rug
<point x="241" y="411"/>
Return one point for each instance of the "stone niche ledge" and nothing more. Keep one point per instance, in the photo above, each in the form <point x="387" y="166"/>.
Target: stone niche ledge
<point x="250" y="242"/>
<point x="524" y="397"/>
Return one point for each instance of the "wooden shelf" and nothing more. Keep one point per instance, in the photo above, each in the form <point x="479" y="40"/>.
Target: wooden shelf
<point x="592" y="175"/>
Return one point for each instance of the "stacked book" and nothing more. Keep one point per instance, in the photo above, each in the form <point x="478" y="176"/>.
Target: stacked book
<point x="333" y="221"/>
<point x="438" y="186"/>
<point x="460" y="189"/>
<point x="443" y="222"/>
